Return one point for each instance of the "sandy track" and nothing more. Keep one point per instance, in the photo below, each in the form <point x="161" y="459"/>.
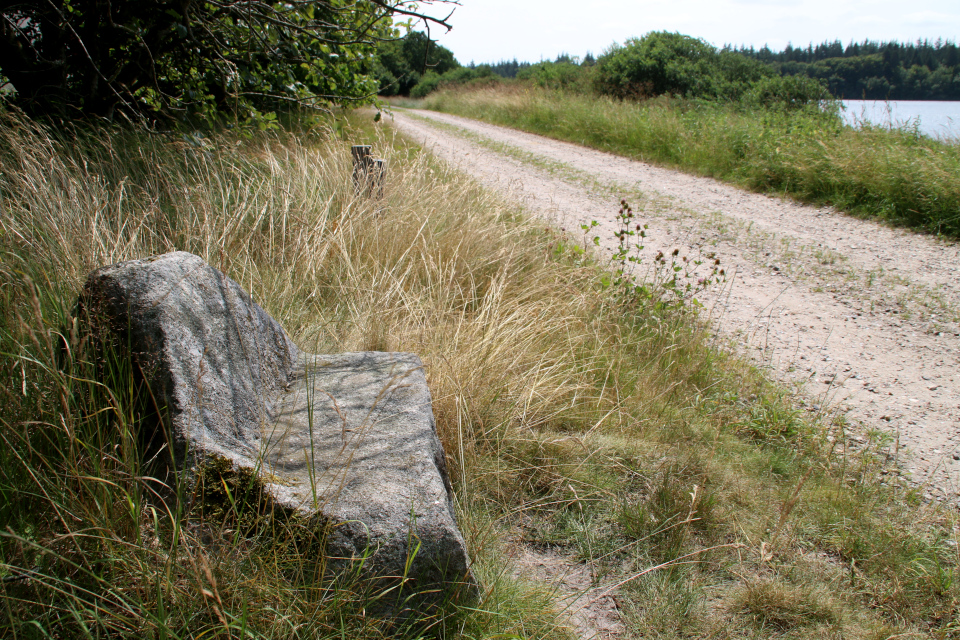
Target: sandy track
<point x="863" y="319"/>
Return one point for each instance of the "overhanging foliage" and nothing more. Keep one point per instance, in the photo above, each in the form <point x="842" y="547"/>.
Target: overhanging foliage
<point x="177" y="59"/>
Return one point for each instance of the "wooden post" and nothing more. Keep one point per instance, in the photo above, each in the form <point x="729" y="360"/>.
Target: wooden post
<point x="362" y="164"/>
<point x="368" y="172"/>
<point x="378" y="172"/>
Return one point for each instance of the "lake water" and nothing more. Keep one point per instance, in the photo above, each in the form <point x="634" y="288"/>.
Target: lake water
<point x="937" y="119"/>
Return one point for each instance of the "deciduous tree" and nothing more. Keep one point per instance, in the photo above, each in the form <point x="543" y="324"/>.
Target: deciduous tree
<point x="162" y="59"/>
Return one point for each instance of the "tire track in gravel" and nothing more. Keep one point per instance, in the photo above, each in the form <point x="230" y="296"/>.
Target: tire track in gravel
<point x="861" y="318"/>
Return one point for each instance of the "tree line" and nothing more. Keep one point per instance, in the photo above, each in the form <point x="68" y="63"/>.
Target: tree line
<point x="872" y="70"/>
<point x="202" y="60"/>
<point x="656" y="64"/>
<point x="640" y="68"/>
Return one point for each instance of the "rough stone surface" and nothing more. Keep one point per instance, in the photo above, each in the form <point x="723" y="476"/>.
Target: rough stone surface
<point x="348" y="440"/>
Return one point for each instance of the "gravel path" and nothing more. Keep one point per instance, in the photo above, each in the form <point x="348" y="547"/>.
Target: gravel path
<point x="864" y="320"/>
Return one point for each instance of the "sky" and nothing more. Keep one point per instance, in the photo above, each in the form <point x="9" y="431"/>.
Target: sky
<point x="533" y="30"/>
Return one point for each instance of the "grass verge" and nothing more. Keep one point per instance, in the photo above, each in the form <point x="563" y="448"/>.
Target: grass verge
<point x="576" y="418"/>
<point x="896" y="175"/>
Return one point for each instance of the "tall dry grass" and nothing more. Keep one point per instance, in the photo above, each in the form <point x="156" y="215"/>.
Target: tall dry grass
<point x="573" y="418"/>
<point x="436" y="267"/>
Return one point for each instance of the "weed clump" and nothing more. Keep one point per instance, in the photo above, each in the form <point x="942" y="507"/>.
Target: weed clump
<point x="779" y="606"/>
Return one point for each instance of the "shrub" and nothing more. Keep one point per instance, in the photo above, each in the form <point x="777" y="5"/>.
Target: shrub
<point x="674" y="64"/>
<point x="789" y="92"/>
<point x="559" y="75"/>
<point x="431" y="81"/>
<point x="658" y="63"/>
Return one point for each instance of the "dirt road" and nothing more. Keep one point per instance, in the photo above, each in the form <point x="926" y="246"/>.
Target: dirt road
<point x="862" y="319"/>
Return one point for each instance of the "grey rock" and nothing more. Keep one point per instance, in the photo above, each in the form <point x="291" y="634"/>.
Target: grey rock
<point x="360" y="432"/>
<point x="348" y="441"/>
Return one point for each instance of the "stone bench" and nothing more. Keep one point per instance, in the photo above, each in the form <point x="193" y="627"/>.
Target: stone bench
<point x="347" y="441"/>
